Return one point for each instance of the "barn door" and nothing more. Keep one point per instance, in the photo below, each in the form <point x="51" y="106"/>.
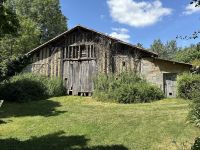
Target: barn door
<point x="79" y="76"/>
<point x="170" y="84"/>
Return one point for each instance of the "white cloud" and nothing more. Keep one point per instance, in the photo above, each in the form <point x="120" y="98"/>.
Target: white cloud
<point x="137" y="14"/>
<point x="190" y="9"/>
<point x="120" y="33"/>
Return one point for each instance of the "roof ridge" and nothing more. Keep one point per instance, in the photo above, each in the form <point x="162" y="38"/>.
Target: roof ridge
<point x="84" y="27"/>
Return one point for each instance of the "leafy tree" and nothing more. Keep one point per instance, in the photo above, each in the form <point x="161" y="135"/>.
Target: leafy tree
<point x="9" y="22"/>
<point x="46" y="14"/>
<point x="165" y="51"/>
<point x="159" y="48"/>
<point x="28" y="37"/>
<point x="38" y="21"/>
<point x="189" y="54"/>
<point x="10" y="67"/>
<point x="171" y="49"/>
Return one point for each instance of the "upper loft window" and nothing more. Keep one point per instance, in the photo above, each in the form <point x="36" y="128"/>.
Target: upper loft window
<point x="80" y="51"/>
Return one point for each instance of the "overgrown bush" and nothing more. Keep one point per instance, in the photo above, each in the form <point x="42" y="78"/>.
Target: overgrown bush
<point x="194" y="114"/>
<point x="126" y="88"/>
<point x="188" y="85"/>
<point x="9" y="67"/>
<point x="28" y="86"/>
<point x="196" y="145"/>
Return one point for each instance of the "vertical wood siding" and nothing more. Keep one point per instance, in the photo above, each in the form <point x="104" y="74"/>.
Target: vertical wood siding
<point x="80" y="55"/>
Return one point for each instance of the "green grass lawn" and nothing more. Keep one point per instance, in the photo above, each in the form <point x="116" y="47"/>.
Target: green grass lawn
<point x="74" y="123"/>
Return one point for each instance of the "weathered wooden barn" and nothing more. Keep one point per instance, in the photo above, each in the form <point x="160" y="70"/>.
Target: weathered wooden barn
<point x="79" y="54"/>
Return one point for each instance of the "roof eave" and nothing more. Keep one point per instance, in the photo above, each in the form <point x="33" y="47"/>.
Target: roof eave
<point x="79" y="26"/>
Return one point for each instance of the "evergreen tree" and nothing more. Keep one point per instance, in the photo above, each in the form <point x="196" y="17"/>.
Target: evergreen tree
<point x="171" y="49"/>
<point x="159" y="48"/>
<point x="166" y="51"/>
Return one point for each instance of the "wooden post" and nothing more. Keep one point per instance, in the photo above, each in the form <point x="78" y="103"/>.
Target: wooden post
<point x="68" y="55"/>
<point x="65" y="51"/>
<point x="77" y="49"/>
<point x="87" y="49"/>
<point x="79" y="55"/>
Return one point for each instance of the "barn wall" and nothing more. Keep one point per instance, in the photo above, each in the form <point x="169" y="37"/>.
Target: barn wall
<point x="64" y="58"/>
<point x="153" y="70"/>
<point x="126" y="63"/>
<point x="80" y="62"/>
<point x="46" y="62"/>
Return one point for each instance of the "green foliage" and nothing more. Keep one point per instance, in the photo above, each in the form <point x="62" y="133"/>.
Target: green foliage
<point x="9" y="22"/>
<point x="171" y="49"/>
<point x="166" y="51"/>
<point x="141" y="92"/>
<point x="54" y="86"/>
<point x="126" y="88"/>
<point x="46" y="14"/>
<point x="196" y="145"/>
<point x="27" y="87"/>
<point x="38" y="21"/>
<point x="12" y="66"/>
<point x="159" y="48"/>
<point x="194" y="114"/>
<point x="189" y="54"/>
<point x="188" y="85"/>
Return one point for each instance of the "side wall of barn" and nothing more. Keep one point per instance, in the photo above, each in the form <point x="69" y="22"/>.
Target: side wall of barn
<point x="126" y="63"/>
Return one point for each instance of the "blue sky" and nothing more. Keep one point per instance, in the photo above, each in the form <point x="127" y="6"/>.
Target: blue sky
<point x="135" y="21"/>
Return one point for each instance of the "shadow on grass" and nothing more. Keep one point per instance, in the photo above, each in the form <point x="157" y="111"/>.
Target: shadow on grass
<point x="56" y="141"/>
<point x="2" y="122"/>
<point x="35" y="108"/>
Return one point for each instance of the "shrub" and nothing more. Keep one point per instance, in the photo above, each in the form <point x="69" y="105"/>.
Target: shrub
<point x="196" y="145"/>
<point x="55" y="87"/>
<point x="9" y="67"/>
<point x="194" y="114"/>
<point x="126" y="88"/>
<point x="28" y="86"/>
<point x="188" y="85"/>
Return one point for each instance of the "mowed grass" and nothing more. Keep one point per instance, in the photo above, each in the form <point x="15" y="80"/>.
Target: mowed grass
<point x="73" y="123"/>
